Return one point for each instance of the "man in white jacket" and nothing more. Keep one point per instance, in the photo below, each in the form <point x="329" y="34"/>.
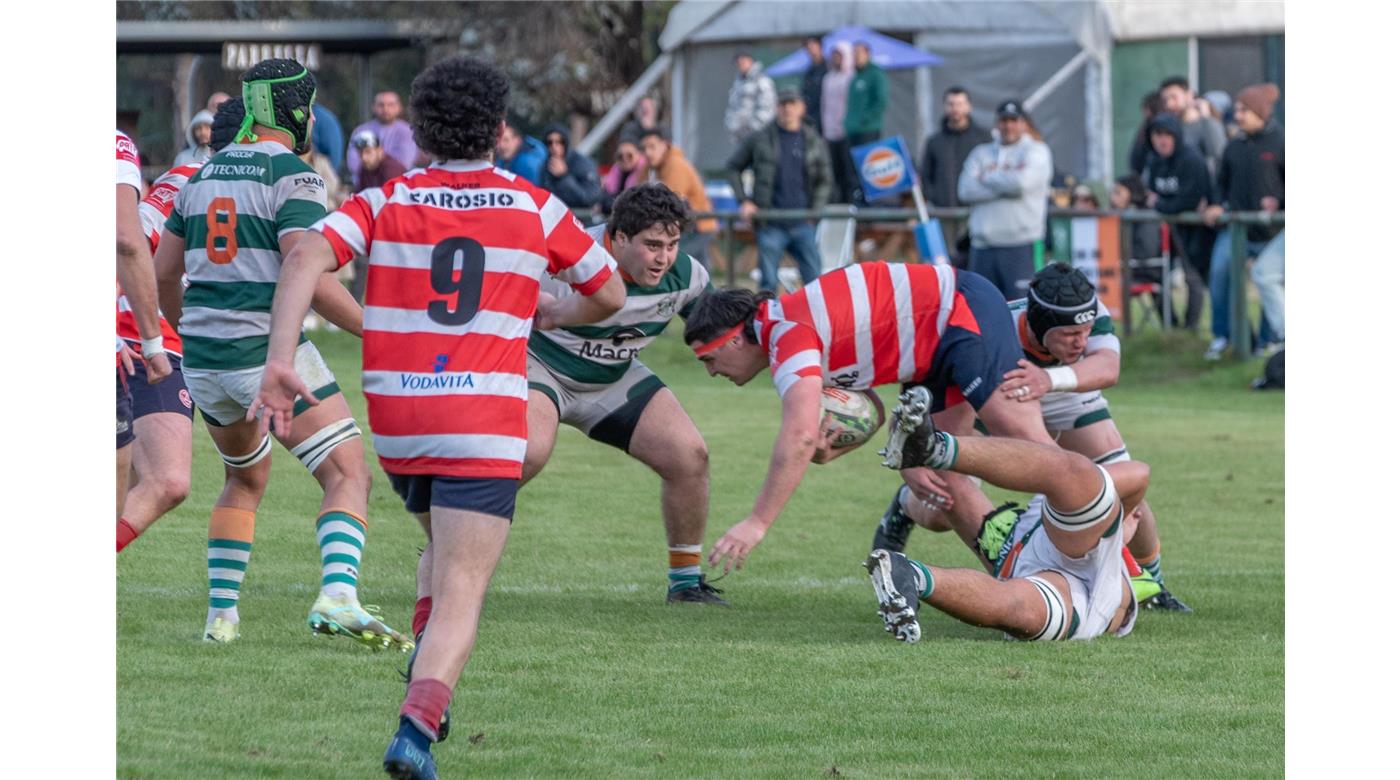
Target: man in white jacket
<point x="1006" y="182"/>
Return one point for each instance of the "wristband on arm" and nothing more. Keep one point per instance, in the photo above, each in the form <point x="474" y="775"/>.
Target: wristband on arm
<point x="152" y="347"/>
<point x="1062" y="378"/>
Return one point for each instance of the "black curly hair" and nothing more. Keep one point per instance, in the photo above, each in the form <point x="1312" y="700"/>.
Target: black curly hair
<point x="456" y="108"/>
<point x="719" y="310"/>
<point x="226" y="122"/>
<point x="291" y="100"/>
<point x="640" y="207"/>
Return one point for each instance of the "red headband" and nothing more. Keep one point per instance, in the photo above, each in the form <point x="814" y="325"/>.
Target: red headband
<point x="719" y="341"/>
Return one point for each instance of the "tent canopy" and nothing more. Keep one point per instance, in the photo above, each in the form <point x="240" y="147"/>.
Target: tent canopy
<point x="889" y="53"/>
<point x="998" y="49"/>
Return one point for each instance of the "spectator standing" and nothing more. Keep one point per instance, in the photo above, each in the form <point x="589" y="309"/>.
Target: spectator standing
<point x="520" y="154"/>
<point x="1201" y="132"/>
<point x="1179" y="183"/>
<point x="628" y="170"/>
<point x="1146" y="237"/>
<point x="197" y="135"/>
<point x="946" y="150"/>
<point x="670" y="167"/>
<point x="393" y="133"/>
<point x="1007" y="183"/>
<point x="327" y="136"/>
<point x="567" y="173"/>
<point x="376" y="166"/>
<point x="812" y="80"/>
<point x="791" y="170"/>
<point x="1250" y="179"/>
<point x="836" y="87"/>
<point x="1150" y="107"/>
<point x="865" y="105"/>
<point x="215" y="100"/>
<point x="753" y="100"/>
<point x="645" y="116"/>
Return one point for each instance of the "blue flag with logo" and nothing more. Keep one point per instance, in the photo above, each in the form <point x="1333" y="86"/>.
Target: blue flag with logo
<point x="884" y="167"/>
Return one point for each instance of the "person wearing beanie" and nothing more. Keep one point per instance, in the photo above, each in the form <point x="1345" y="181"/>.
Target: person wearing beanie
<point x="1250" y="179"/>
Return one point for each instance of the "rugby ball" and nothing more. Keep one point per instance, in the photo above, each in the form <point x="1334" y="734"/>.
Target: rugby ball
<point x="855" y="415"/>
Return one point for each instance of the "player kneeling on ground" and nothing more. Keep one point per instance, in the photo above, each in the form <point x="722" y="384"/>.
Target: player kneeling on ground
<point x="229" y="229"/>
<point x="456" y="251"/>
<point x="1060" y="574"/>
<point x="1071" y="354"/>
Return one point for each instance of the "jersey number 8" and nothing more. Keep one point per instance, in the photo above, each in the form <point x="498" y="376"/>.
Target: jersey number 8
<point x="221" y="219"/>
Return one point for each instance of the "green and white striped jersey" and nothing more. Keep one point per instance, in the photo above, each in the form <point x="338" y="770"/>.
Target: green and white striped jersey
<point x="1101" y="335"/>
<point x="599" y="354"/>
<point x="231" y="215"/>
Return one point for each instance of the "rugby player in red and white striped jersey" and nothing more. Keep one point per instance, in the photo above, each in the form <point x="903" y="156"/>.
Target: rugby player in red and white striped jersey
<point x="856" y="328"/>
<point x="136" y="274"/>
<point x="164" y="413"/>
<point x="455" y="253"/>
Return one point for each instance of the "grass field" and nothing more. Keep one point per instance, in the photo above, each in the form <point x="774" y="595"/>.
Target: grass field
<point x="582" y="671"/>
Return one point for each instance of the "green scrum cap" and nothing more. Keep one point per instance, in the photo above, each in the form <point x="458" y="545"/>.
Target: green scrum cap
<point x="281" y="102"/>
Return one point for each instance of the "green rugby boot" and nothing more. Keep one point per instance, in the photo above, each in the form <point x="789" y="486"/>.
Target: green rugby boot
<point x="343" y="616"/>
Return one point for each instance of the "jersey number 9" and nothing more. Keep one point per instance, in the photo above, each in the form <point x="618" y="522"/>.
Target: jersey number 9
<point x="449" y="256"/>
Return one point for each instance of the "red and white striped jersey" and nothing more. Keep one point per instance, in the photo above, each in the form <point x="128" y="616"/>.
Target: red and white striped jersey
<point x="128" y="173"/>
<point x="128" y="162"/>
<point x="861" y="326"/>
<point x="155" y="209"/>
<point x="455" y="256"/>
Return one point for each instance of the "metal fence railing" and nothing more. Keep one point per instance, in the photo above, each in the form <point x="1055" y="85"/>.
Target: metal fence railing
<point x="1237" y="223"/>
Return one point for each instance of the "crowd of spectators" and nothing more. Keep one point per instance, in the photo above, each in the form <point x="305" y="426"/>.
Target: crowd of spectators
<point x="1208" y="155"/>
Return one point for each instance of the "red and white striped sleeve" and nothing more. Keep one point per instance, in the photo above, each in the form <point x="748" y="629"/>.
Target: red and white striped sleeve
<point x="128" y="162"/>
<point x="574" y="257"/>
<point x="350" y="229"/>
<point x="794" y="351"/>
<point x="160" y="200"/>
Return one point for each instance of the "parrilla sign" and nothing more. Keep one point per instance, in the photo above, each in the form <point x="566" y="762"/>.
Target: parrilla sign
<point x="242" y="56"/>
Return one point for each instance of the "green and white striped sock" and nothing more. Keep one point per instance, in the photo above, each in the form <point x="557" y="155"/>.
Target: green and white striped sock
<point x="1154" y="567"/>
<point x="341" y="536"/>
<point x="228" y="563"/>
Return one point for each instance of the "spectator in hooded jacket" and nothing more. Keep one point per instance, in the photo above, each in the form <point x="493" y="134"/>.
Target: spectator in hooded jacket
<point x="197" y="135"/>
<point x="1177" y="183"/>
<point x="836" y="86"/>
<point x="1250" y="179"/>
<point x="520" y="154"/>
<point x="753" y="100"/>
<point x="1007" y="184"/>
<point x="568" y="174"/>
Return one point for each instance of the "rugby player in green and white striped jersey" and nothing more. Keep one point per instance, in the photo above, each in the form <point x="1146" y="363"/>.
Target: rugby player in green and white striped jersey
<point x="230" y="227"/>
<point x="590" y="377"/>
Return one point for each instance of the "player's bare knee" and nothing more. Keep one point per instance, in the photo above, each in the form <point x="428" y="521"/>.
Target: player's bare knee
<point x="171" y="488"/>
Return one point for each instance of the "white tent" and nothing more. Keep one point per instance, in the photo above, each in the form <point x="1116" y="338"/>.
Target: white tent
<point x="1028" y="50"/>
<point x="1053" y="55"/>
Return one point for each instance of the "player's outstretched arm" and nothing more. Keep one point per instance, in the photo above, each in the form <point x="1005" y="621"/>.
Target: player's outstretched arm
<point x="137" y="276"/>
<point x="792" y="451"/>
<point x="296" y="285"/>
<point x="333" y="301"/>
<point x="578" y="309"/>
<point x="170" y="265"/>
